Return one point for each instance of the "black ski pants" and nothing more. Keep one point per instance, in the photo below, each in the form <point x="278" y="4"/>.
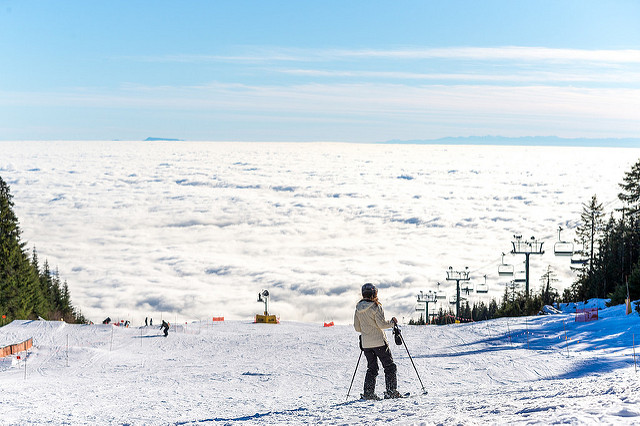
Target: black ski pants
<point x="383" y="353"/>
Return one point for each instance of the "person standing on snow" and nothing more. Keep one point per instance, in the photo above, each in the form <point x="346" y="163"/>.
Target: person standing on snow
<point x="369" y="321"/>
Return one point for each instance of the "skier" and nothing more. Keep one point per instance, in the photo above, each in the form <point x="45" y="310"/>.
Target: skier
<point x="369" y="321"/>
<point x="165" y="327"/>
<point x="146" y="322"/>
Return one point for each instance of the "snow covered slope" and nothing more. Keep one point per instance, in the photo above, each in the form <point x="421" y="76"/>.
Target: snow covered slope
<point x="502" y="371"/>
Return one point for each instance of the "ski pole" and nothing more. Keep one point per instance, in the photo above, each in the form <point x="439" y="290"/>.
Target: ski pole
<point x="396" y="331"/>
<point x="354" y="375"/>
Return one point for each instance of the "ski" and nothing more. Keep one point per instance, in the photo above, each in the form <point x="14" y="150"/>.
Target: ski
<point x="377" y="398"/>
<point x="399" y="396"/>
<point x="362" y="399"/>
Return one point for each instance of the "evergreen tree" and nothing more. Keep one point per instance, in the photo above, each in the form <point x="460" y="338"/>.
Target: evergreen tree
<point x="630" y="196"/>
<point x="630" y="186"/>
<point x="611" y="255"/>
<point x="480" y="312"/>
<point x="548" y="293"/>
<point x="493" y="309"/>
<point x="66" y="300"/>
<point x="420" y="321"/>
<point x="25" y="291"/>
<point x="46" y="283"/>
<point x="588" y="234"/>
<point x="43" y="306"/>
<point x="620" y="246"/>
<point x="17" y="286"/>
<point x="466" y="311"/>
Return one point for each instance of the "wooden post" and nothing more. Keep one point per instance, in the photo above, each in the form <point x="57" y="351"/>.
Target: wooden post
<point x="564" y="326"/>
<point x="635" y="366"/>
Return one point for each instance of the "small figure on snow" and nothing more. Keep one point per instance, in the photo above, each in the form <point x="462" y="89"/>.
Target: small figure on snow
<point x="107" y="320"/>
<point x="165" y="327"/>
<point x="146" y="321"/>
<point x="151" y="322"/>
<point x="369" y="321"/>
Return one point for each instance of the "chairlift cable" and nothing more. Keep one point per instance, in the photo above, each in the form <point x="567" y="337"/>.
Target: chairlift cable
<point x="492" y="263"/>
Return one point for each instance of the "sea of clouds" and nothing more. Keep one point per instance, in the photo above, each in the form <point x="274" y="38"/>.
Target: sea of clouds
<point x="189" y="230"/>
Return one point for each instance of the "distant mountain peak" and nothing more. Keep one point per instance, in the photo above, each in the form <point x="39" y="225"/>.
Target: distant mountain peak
<point x="524" y="141"/>
<point x="150" y="139"/>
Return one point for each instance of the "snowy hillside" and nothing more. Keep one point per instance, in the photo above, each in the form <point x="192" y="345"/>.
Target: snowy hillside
<point x="501" y="371"/>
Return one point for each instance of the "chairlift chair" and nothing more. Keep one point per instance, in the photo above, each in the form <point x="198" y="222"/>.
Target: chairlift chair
<point x="579" y="259"/>
<point x="520" y="277"/>
<point x="453" y="300"/>
<point x="482" y="288"/>
<point x="440" y="294"/>
<point x="562" y="248"/>
<point x="504" y="269"/>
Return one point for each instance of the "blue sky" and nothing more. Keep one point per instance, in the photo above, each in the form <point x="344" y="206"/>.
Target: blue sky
<point x="318" y="71"/>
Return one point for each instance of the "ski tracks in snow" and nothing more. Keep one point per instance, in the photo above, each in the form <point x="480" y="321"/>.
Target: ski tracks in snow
<point x="297" y="373"/>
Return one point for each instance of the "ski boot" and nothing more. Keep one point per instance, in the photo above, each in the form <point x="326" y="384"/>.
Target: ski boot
<point x="391" y="394"/>
<point x="370" y="396"/>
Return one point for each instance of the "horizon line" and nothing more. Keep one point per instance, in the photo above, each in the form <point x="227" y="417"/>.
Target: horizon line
<point x="487" y="140"/>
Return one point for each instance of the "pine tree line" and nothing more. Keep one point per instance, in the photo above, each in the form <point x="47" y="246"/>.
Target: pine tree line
<point x="28" y="291"/>
<point x="513" y="304"/>
<point x="611" y="247"/>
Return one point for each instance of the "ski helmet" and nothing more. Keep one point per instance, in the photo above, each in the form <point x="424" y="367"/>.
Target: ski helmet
<point x="369" y="291"/>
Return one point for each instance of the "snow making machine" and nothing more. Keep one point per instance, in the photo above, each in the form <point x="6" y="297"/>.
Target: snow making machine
<point x="263" y="296"/>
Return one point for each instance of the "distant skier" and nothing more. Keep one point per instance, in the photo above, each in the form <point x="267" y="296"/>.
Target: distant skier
<point x="107" y="320"/>
<point x="151" y="322"/>
<point x="369" y="321"/>
<point x="146" y="321"/>
<point x="165" y="327"/>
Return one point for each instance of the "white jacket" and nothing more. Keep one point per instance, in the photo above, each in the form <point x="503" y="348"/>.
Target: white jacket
<point x="369" y="321"/>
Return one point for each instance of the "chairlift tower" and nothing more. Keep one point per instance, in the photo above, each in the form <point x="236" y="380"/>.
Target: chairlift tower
<point x="532" y="246"/>
<point x="430" y="297"/>
<point x="458" y="276"/>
